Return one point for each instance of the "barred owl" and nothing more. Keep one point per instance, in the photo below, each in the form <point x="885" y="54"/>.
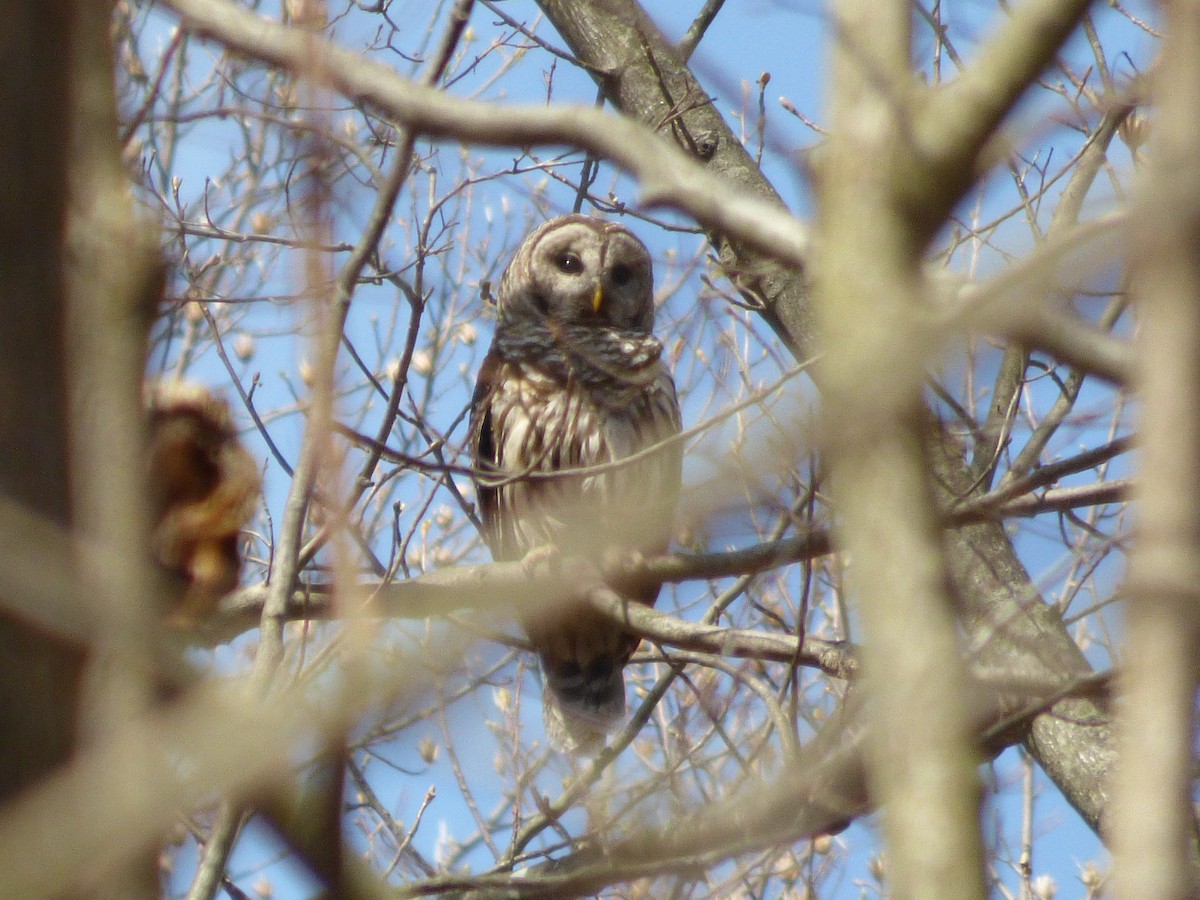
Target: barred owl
<point x="574" y="378"/>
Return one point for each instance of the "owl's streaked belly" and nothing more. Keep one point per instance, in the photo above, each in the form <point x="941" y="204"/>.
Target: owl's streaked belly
<point x="549" y="427"/>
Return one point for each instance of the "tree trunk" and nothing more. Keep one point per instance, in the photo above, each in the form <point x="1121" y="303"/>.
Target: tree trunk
<point x="39" y="672"/>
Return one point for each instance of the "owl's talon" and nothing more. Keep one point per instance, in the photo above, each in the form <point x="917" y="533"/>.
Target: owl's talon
<point x="622" y="561"/>
<point x="545" y="556"/>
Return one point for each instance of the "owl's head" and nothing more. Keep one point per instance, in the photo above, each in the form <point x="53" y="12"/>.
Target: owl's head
<point x="576" y="270"/>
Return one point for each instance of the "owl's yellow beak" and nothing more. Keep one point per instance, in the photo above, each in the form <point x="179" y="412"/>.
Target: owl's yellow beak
<point x="597" y="299"/>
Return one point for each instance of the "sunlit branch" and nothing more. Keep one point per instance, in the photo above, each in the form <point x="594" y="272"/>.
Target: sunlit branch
<point x="667" y="176"/>
<point x="510" y="584"/>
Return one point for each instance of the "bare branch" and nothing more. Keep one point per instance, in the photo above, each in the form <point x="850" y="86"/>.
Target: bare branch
<point x="667" y="177"/>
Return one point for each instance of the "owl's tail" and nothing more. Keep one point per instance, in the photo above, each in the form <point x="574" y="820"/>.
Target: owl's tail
<point x="582" y="704"/>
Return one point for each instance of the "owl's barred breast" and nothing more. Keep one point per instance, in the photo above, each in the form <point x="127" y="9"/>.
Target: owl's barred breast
<point x="614" y="367"/>
<point x="551" y="413"/>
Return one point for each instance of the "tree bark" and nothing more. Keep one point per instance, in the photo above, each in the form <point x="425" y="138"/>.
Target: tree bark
<point x="39" y="672"/>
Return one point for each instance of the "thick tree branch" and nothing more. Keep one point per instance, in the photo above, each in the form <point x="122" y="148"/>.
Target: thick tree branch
<point x="512" y="586"/>
<point x="1153" y="825"/>
<point x="921" y="765"/>
<point x="503" y="584"/>
<point x="1010" y="629"/>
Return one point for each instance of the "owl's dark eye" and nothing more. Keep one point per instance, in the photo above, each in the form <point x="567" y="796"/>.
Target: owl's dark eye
<point x="569" y="262"/>
<point x="621" y="274"/>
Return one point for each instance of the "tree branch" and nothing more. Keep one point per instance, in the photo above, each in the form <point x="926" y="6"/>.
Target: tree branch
<point x="502" y="584"/>
<point x="667" y="177"/>
<point x="1153" y="822"/>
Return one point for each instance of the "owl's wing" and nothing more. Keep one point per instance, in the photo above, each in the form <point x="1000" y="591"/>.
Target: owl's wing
<point x="485" y="454"/>
<point x="666" y="421"/>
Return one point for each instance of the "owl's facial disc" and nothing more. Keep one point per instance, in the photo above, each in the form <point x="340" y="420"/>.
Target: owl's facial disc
<point x="580" y="271"/>
<point x="571" y="273"/>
